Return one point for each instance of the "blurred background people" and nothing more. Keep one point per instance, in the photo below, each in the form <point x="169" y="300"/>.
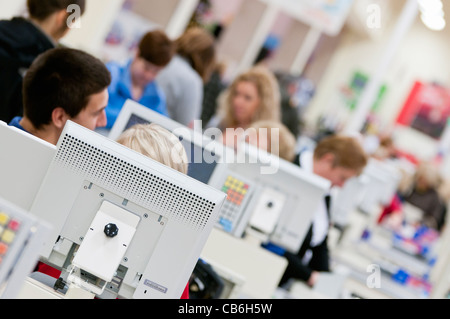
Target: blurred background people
<point x="183" y="79"/>
<point x="211" y="92"/>
<point x="253" y="96"/>
<point x="424" y="194"/>
<point x="135" y="79"/>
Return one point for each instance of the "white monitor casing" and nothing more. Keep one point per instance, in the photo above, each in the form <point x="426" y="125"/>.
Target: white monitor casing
<point x="303" y="192"/>
<point x="24" y="160"/>
<point x="176" y="212"/>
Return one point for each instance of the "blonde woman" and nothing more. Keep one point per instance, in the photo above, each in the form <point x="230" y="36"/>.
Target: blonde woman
<point x="253" y="96"/>
<point x="183" y="79"/>
<point x="424" y="194"/>
<point x="160" y="145"/>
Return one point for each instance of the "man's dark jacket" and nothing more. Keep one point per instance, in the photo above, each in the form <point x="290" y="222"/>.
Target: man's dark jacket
<point x="21" y="42"/>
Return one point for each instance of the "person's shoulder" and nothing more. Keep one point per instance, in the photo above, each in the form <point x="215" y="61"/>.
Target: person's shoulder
<point x="115" y="66"/>
<point x="117" y="69"/>
<point x="183" y="68"/>
<point x="23" y="40"/>
<point x="11" y="30"/>
<point x="14" y="21"/>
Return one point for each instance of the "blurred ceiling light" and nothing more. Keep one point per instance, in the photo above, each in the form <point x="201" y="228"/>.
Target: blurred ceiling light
<point x="430" y="6"/>
<point x="432" y="14"/>
<point x="435" y="23"/>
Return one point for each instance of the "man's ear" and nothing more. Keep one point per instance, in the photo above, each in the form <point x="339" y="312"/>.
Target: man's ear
<point x="61" y="17"/>
<point x="59" y="117"/>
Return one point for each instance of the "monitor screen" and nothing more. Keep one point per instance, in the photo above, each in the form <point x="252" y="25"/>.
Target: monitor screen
<point x="202" y="162"/>
<point x="135" y="120"/>
<point x="198" y="167"/>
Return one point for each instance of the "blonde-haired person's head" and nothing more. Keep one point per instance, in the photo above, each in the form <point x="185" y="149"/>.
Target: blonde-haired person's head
<point x="347" y="151"/>
<point x="157" y="143"/>
<point x="427" y="176"/>
<point x="269" y="95"/>
<point x="277" y="134"/>
<point x="197" y="46"/>
<point x="339" y="158"/>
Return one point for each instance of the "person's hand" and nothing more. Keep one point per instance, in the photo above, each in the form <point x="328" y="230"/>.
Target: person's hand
<point x="313" y="278"/>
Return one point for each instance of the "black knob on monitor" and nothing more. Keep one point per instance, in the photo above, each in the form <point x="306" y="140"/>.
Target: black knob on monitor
<point x="111" y="230"/>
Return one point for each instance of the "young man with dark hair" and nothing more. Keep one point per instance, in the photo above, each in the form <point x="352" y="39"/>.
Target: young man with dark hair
<point x="63" y="84"/>
<point x="22" y="40"/>
<point x="135" y="80"/>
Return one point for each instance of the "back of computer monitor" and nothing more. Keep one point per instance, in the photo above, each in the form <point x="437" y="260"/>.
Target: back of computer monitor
<point x="170" y="213"/>
<point x="346" y="200"/>
<point x="383" y="181"/>
<point x="296" y="192"/>
<point x="24" y="160"/>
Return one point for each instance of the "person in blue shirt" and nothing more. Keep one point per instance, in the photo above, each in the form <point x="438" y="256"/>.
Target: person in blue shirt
<point x="135" y="79"/>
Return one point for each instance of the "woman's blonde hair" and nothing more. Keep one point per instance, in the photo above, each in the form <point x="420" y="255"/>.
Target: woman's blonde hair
<point x="429" y="173"/>
<point x="269" y="93"/>
<point x="286" y="140"/>
<point x="197" y="46"/>
<point x="157" y="143"/>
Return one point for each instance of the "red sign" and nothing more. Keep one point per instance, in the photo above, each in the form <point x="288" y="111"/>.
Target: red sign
<point x="427" y="109"/>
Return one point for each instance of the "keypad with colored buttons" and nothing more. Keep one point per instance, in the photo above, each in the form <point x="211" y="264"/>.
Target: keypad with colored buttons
<point x="237" y="191"/>
<point x="9" y="226"/>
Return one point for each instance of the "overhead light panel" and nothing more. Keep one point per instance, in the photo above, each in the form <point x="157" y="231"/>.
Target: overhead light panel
<point x="432" y="14"/>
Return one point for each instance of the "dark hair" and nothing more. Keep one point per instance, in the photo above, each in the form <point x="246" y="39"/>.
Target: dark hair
<point x="42" y="9"/>
<point x="63" y="78"/>
<point x="156" y="48"/>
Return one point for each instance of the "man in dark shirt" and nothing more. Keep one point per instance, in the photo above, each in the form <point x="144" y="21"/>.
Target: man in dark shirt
<point x="23" y="40"/>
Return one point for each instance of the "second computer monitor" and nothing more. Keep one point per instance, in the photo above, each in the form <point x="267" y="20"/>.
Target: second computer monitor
<point x="286" y="196"/>
<point x="206" y="157"/>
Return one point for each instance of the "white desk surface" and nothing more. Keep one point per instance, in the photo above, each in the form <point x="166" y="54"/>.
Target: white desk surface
<point x="261" y="269"/>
